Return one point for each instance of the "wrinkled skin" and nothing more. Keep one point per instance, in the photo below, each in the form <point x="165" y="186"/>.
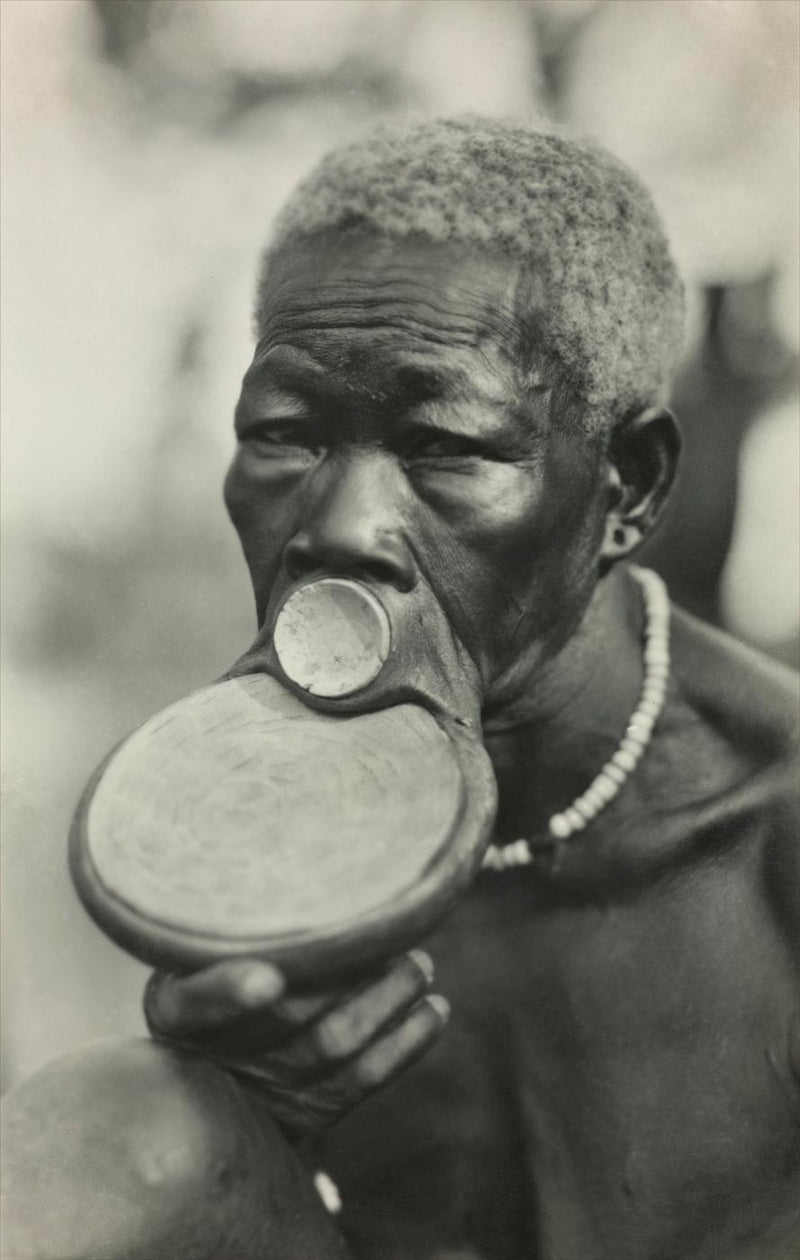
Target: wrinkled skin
<point x="387" y="430"/>
<point x="384" y="427"/>
<point x="618" y="1079"/>
<point x="311" y="1058"/>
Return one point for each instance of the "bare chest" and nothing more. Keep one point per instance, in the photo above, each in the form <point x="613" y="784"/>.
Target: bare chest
<point x="615" y="1080"/>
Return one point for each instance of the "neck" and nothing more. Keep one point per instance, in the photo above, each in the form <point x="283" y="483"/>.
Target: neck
<point x="547" y="746"/>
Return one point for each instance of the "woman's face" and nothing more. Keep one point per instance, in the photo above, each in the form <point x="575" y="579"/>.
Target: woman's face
<point x="386" y="431"/>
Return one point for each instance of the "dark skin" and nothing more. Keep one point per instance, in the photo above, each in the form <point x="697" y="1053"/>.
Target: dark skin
<point x="386" y="429"/>
<point x="617" y="1077"/>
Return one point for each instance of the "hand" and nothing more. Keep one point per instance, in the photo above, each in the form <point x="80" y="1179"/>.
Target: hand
<point x="310" y="1059"/>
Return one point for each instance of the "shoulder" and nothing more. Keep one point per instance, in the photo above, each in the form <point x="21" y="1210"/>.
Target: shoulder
<point x="743" y="694"/>
<point x="750" y="706"/>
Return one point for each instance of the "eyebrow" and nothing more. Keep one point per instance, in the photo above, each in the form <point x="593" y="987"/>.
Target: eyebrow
<point x="283" y="364"/>
<point x="285" y="376"/>
<point x="264" y="394"/>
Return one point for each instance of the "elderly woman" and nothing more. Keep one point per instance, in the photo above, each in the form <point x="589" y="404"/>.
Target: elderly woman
<point x="466" y="332"/>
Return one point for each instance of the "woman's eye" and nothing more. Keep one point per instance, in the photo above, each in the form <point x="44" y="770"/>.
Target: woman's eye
<point x="443" y="448"/>
<point x="276" y="438"/>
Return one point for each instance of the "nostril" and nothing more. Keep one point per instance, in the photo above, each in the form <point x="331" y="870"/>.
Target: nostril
<point x="382" y="572"/>
<point x="301" y="560"/>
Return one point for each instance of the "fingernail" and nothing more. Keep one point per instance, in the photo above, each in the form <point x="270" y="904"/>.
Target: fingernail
<point x="423" y="961"/>
<point x="440" y="1005"/>
<point x="260" y="984"/>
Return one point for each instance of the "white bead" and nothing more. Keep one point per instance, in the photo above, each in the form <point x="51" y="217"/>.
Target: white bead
<point x="605" y="787"/>
<point x="657" y="673"/>
<point x="559" y="827"/>
<point x="594" y="798"/>
<point x="328" y="1192"/>
<point x="625" y="760"/>
<point x="574" y="819"/>
<point x="656" y="654"/>
<point x="585" y="808"/>
<point x="660" y="665"/>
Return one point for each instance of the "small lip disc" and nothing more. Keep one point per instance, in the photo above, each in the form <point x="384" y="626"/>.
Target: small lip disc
<point x="332" y="637"/>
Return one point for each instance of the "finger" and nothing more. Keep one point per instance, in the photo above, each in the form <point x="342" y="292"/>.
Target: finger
<point x="297" y="1012"/>
<point x="272" y="1036"/>
<point x="309" y="1111"/>
<point x="236" y="1005"/>
<point x="349" y="1027"/>
<point x="293" y="1013"/>
<point x="392" y="1053"/>
<point x="180" y="1006"/>
<point x="254" y="1033"/>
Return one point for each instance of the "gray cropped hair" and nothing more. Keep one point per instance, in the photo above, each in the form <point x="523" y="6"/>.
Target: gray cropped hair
<point x="578" y="221"/>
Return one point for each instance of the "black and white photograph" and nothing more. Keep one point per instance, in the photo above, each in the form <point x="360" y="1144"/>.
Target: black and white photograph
<point x="400" y="629"/>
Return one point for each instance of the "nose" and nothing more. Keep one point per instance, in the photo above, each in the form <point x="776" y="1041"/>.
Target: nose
<point x="353" y="524"/>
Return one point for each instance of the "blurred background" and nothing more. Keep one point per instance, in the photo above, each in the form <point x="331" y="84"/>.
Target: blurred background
<point x="146" y="147"/>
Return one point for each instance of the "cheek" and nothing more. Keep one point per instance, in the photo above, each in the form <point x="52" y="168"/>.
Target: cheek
<point x="477" y="536"/>
<point x="263" y="516"/>
<point x="565" y="562"/>
<point x="510" y="554"/>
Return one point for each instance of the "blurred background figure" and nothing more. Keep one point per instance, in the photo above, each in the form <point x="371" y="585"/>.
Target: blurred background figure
<point x="147" y="145"/>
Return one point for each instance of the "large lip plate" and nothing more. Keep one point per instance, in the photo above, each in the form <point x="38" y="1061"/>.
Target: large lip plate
<point x="312" y="956"/>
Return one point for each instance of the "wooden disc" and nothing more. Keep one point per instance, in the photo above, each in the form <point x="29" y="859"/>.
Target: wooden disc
<point x="332" y="637"/>
<point x="239" y="821"/>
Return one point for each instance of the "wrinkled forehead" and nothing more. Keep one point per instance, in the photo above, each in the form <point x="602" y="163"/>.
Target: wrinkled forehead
<point x="355" y="302"/>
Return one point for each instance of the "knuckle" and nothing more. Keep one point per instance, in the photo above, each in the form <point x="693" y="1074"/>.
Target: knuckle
<point x="369" y="1073"/>
<point x="420" y="964"/>
<point x="293" y="1014"/>
<point x="407" y="984"/>
<point x="335" y="1037"/>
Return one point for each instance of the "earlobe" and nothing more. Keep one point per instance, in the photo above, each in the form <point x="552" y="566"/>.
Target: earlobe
<point x="641" y="463"/>
<point x="619" y="541"/>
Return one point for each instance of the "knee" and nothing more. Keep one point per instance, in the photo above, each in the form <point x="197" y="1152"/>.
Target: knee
<point x="176" y="1122"/>
<point x="111" y="1151"/>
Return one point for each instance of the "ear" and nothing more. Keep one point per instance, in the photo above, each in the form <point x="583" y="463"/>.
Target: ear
<point x="641" y="462"/>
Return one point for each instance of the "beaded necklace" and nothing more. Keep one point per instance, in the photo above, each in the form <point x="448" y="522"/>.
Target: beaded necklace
<point x="606" y="785"/>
